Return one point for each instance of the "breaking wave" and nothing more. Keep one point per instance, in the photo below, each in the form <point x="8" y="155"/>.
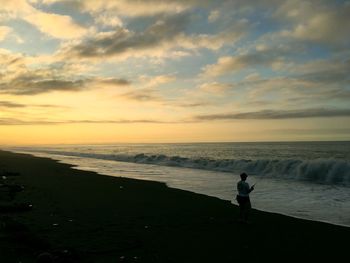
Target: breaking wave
<point x="327" y="171"/>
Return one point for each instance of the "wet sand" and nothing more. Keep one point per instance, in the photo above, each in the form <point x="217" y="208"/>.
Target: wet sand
<point x="80" y="216"/>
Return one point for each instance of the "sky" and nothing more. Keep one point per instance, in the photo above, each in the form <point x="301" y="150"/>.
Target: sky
<point x="104" y="71"/>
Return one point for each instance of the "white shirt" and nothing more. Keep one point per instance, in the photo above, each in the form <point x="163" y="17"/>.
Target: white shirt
<point x="243" y="188"/>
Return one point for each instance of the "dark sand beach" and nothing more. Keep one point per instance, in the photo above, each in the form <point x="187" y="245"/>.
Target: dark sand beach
<point x="80" y="216"/>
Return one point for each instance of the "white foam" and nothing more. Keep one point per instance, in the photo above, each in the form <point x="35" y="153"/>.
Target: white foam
<point x="326" y="171"/>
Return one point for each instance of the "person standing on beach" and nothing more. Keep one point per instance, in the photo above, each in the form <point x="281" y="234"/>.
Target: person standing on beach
<point x="243" y="198"/>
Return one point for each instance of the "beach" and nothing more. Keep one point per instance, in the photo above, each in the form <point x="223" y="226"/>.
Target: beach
<point x="82" y="216"/>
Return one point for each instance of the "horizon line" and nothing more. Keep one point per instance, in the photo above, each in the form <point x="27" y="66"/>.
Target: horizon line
<point x="199" y="142"/>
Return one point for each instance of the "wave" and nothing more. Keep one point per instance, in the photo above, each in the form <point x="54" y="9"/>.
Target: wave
<point x="328" y="171"/>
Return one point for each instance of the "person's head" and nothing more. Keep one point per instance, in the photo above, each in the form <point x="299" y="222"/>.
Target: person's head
<point x="243" y="176"/>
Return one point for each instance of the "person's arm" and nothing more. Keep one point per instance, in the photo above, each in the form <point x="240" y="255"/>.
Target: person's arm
<point x="251" y="188"/>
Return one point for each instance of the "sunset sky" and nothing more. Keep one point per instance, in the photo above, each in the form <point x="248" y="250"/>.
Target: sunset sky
<point x="98" y="71"/>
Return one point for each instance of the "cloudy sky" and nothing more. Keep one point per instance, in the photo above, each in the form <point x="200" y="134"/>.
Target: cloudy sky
<point x="97" y="71"/>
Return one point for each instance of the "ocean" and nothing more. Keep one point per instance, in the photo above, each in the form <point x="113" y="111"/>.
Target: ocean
<point x="309" y="180"/>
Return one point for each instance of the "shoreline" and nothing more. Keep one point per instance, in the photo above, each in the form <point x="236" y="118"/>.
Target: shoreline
<point x="106" y="174"/>
<point x="262" y="210"/>
<point x="103" y="218"/>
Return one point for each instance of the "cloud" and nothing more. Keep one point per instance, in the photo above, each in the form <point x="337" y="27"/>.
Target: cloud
<point x="226" y="65"/>
<point x="330" y="131"/>
<point x="15" y="121"/>
<point x="252" y="77"/>
<point x="58" y="26"/>
<point x="48" y="106"/>
<point x="108" y="19"/>
<point x="34" y="87"/>
<point x="191" y="104"/>
<point x="315" y="82"/>
<point x="297" y="88"/>
<point x="32" y="84"/>
<point x="213" y="16"/>
<point x="216" y="87"/>
<point x="142" y="95"/>
<point x="206" y="30"/>
<point x="228" y="36"/>
<point x="164" y="38"/>
<point x="241" y="61"/>
<point x="277" y="114"/>
<point x="135" y="7"/>
<point x="149" y="91"/>
<point x="10" y="64"/>
<point x="54" y="25"/>
<point x="259" y="57"/>
<point x="155" y="81"/>
<point x="8" y="104"/>
<point x="122" y="41"/>
<point x="322" y="22"/>
<point x="13" y="8"/>
<point x="8" y="33"/>
<point x="323" y="71"/>
<point x="20" y="77"/>
<point x="122" y="121"/>
<point x="4" y="32"/>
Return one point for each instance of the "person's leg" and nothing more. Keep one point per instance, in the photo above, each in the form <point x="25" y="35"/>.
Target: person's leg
<point x="246" y="214"/>
<point x="247" y="209"/>
<point x="241" y="213"/>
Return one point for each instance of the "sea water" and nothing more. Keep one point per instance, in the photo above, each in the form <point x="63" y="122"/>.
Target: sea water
<point x="309" y="180"/>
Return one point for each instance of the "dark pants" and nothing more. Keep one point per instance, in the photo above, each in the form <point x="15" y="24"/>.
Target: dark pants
<point x="244" y="207"/>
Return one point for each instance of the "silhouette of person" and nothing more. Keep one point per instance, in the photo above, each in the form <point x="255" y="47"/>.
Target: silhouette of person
<point x="243" y="198"/>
